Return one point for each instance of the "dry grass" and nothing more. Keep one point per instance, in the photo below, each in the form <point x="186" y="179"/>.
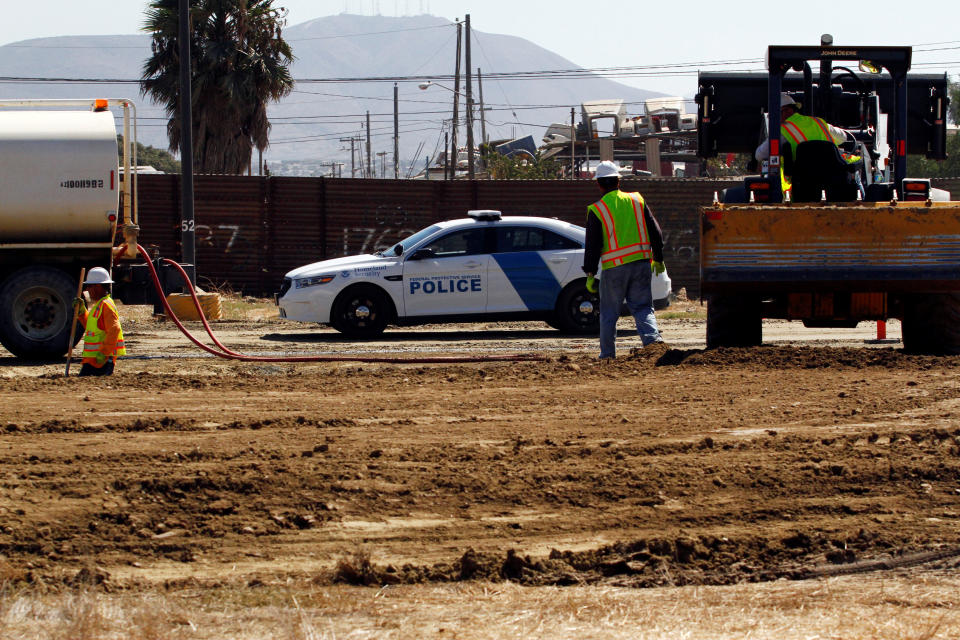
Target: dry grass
<point x="238" y="307"/>
<point x="246" y="308"/>
<point x="921" y="606"/>
<point x="356" y="569"/>
<point x="235" y="307"/>
<point x="685" y="313"/>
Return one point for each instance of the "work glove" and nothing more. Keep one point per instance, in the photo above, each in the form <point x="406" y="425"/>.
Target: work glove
<point x="79" y="305"/>
<point x="591" y="284"/>
<point x="657" y="267"/>
<point x="101" y="359"/>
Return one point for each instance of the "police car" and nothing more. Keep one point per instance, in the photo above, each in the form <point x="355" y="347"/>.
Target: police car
<point x="483" y="267"/>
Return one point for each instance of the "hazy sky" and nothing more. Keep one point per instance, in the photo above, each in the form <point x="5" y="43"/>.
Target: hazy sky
<point x="596" y="34"/>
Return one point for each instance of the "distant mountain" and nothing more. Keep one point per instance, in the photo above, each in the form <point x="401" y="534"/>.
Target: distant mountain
<point x="309" y="123"/>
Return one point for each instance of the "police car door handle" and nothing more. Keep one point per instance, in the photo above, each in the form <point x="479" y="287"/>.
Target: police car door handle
<point x="473" y="264"/>
<point x="558" y="259"/>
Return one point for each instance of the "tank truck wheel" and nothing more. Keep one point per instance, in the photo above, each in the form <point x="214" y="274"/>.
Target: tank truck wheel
<point x="931" y="324"/>
<point x="35" y="313"/>
<point x="733" y="321"/>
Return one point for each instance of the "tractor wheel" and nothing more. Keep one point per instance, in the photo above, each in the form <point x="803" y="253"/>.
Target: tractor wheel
<point x="733" y="321"/>
<point x="931" y="324"/>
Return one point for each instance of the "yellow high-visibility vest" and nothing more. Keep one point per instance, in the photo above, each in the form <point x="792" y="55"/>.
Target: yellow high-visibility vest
<point x="93" y="336"/>
<point x="800" y="128"/>
<point x="625" y="237"/>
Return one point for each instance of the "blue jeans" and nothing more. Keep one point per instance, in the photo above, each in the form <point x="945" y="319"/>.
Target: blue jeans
<point x="630" y="281"/>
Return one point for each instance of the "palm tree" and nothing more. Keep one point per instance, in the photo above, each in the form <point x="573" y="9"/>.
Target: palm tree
<point x="239" y="63"/>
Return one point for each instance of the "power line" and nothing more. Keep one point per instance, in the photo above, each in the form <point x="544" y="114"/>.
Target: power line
<point x="483" y="52"/>
<point x="655" y="70"/>
<point x="330" y="136"/>
<point x="435" y="53"/>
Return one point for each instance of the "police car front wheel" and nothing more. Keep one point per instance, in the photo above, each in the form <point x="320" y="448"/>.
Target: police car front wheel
<point x="361" y="312"/>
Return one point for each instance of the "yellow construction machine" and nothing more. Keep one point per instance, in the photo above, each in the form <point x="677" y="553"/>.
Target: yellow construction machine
<point x="853" y="238"/>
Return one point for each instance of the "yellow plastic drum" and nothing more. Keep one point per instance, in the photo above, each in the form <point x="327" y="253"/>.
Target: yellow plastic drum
<point x="183" y="306"/>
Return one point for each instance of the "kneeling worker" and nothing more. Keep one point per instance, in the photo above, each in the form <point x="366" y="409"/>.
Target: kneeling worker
<point x="103" y="337"/>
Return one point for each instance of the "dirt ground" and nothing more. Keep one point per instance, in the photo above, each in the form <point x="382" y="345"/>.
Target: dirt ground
<point x="817" y="454"/>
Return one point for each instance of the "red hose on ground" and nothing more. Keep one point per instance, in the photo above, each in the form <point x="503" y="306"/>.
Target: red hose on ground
<point x="224" y="352"/>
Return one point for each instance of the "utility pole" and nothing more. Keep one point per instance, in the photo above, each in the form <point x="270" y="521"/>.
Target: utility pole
<point x="483" y="117"/>
<point x="573" y="144"/>
<point x="456" y="104"/>
<point x="396" y="134"/>
<point x="586" y="147"/>
<point x="353" y="168"/>
<point x="446" y="153"/>
<point x="470" y="161"/>
<point x="369" y="172"/>
<point x="383" y="163"/>
<point x="187" y="224"/>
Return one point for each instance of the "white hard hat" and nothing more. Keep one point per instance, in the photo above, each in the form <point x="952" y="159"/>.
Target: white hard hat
<point x="98" y="275"/>
<point x="786" y="100"/>
<point x="607" y="169"/>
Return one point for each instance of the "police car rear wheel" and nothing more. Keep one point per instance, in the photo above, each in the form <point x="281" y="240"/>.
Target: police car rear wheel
<point x="578" y="310"/>
<point x="360" y="312"/>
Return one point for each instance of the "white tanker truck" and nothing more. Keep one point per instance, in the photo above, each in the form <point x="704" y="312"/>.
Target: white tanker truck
<point x="60" y="207"/>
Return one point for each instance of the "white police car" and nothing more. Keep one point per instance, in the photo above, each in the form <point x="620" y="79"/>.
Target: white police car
<point x="483" y="267"/>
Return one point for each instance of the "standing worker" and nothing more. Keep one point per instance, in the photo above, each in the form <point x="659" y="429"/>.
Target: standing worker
<point x="103" y="337"/>
<point x="625" y="239"/>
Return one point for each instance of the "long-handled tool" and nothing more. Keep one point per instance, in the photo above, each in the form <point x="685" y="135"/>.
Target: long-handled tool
<point x="73" y="325"/>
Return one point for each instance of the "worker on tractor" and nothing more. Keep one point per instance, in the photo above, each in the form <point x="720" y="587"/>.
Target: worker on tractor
<point x="796" y="128"/>
<point x="103" y="337"/>
<point x="625" y="239"/>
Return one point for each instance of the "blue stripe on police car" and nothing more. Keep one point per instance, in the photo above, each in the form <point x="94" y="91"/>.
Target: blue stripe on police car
<point x="531" y="278"/>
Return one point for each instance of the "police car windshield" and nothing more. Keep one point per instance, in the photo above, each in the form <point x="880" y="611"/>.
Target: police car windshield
<point x="406" y="243"/>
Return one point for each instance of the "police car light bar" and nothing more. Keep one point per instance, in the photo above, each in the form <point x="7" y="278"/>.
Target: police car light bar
<point x="484" y="214"/>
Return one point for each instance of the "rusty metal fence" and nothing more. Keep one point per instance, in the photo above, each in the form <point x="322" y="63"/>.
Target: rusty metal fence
<point x="251" y="230"/>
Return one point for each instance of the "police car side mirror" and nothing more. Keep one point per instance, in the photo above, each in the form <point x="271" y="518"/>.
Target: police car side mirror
<point x="398" y="250"/>
<point x="422" y="254"/>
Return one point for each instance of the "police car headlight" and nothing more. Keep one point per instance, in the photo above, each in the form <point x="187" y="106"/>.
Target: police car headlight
<point x="312" y="281"/>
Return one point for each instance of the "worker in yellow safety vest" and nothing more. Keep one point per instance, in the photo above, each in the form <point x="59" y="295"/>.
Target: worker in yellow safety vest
<point x="796" y="128"/>
<point x="103" y="336"/>
<point x="624" y="238"/>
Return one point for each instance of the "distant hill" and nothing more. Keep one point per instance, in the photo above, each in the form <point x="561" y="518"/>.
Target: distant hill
<point x="309" y="123"/>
